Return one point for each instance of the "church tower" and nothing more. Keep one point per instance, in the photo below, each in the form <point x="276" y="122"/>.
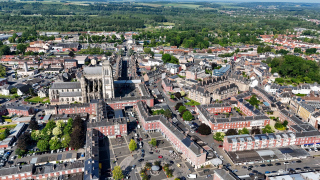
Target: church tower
<point x="107" y="79"/>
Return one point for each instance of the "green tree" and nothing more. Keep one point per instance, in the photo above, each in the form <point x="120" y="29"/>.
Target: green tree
<point x="43" y="145"/>
<point x="71" y="54"/>
<point x="297" y="50"/>
<point x="57" y="131"/>
<point x="147" y="50"/>
<point x="285" y="123"/>
<point x="254" y="101"/>
<point x="21" y="48"/>
<point x="182" y="108"/>
<point x="178" y="105"/>
<point x="5" y="50"/>
<point x="244" y="131"/>
<point x="13" y="90"/>
<point x="218" y="136"/>
<point x="167" y="113"/>
<point x="187" y="116"/>
<point x="3" y="71"/>
<point x="54" y="143"/>
<point x="117" y="173"/>
<point x="267" y="129"/>
<point x="68" y="128"/>
<point x="204" y="129"/>
<point x="132" y="145"/>
<point x="166" y="58"/>
<point x="33" y="124"/>
<point x="153" y="142"/>
<point x="23" y="141"/>
<point x="65" y="140"/>
<point x="231" y="132"/>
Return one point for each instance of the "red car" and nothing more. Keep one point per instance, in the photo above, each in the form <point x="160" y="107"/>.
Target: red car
<point x="160" y="156"/>
<point x="41" y="118"/>
<point x="220" y="145"/>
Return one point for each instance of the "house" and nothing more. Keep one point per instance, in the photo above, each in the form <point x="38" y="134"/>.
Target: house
<point x="23" y="89"/>
<point x="66" y="47"/>
<point x="70" y="63"/>
<point x="42" y="93"/>
<point x="173" y="68"/>
<point x="82" y="60"/>
<point x="154" y="76"/>
<point x="167" y="85"/>
<point x="5" y="89"/>
<point x="36" y="49"/>
<point x="3" y="81"/>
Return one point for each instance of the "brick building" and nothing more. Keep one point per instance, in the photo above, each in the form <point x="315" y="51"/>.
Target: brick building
<point x="167" y="85"/>
<point x="109" y="127"/>
<point x="90" y="108"/>
<point x="223" y="124"/>
<point x="182" y="143"/>
<point x="20" y="110"/>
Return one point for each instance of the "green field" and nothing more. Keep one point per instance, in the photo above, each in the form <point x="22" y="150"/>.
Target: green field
<point x="37" y="99"/>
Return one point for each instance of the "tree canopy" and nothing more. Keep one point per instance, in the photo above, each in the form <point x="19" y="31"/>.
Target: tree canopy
<point x="204" y="129"/>
<point x="187" y="116"/>
<point x="296" y="67"/>
<point x="117" y="173"/>
<point x="132" y="145"/>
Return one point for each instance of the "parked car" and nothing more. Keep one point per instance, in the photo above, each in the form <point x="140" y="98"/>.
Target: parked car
<point x="160" y="157"/>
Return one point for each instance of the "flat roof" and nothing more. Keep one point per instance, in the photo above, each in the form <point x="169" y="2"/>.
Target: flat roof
<point x="118" y="113"/>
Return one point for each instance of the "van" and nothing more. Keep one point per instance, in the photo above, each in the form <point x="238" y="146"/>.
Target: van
<point x="192" y="176"/>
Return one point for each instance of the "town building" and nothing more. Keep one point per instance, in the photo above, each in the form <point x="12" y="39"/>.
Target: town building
<point x="20" y="110"/>
<point x="182" y="143"/>
<point x="218" y="124"/>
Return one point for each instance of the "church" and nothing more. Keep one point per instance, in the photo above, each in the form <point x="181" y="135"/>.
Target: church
<point x="95" y="83"/>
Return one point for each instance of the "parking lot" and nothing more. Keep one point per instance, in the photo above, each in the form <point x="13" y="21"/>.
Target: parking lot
<point x="274" y="167"/>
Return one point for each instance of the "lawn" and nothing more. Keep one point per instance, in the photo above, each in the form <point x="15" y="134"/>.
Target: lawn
<point x="9" y="97"/>
<point x="2" y="128"/>
<point x="37" y="99"/>
<point x="192" y="102"/>
<point x="301" y="95"/>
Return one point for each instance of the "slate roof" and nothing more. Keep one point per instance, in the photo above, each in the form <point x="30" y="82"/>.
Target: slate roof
<point x="66" y="85"/>
<point x="51" y="168"/>
<point x="177" y="131"/>
<point x="97" y="70"/>
<point x="70" y="94"/>
<point x="223" y="174"/>
<point x="91" y="164"/>
<point x="16" y="170"/>
<point x="23" y="87"/>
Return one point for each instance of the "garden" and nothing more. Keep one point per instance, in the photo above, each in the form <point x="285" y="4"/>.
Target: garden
<point x="186" y="114"/>
<point x="55" y="135"/>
